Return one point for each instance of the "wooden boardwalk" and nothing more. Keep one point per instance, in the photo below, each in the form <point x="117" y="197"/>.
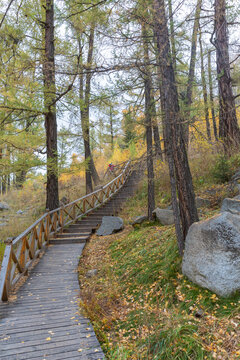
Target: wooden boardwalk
<point x="44" y="321"/>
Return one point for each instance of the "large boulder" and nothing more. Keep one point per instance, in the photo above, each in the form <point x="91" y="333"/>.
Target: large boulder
<point x="164" y="216"/>
<point x="231" y="205"/>
<point x="212" y="254"/>
<point x="110" y="225"/>
<point x="4" y="206"/>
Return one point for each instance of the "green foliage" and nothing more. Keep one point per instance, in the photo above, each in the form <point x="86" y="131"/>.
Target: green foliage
<point x="222" y="170"/>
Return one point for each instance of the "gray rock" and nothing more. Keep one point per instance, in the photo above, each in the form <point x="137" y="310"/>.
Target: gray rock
<point x="236" y="176"/>
<point x="199" y="313"/>
<point x="139" y="220"/>
<point x="212" y="254"/>
<point x="200" y="202"/>
<point x="110" y="225"/>
<point x="20" y="212"/>
<point x="231" y="205"/>
<point x="91" y="273"/>
<point x="164" y="216"/>
<point x="3" y="224"/>
<point x="4" y="206"/>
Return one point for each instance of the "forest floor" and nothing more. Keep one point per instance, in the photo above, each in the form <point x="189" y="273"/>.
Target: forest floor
<point x="141" y="305"/>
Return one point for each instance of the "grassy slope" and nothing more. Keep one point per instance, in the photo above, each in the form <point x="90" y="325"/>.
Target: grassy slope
<point x="141" y="305"/>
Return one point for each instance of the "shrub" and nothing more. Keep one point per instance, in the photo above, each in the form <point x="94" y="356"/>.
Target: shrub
<point x="222" y="170"/>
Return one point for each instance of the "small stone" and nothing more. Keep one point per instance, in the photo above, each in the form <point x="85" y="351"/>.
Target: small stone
<point x="91" y="273"/>
<point x="139" y="220"/>
<point x="199" y="313"/>
<point x="164" y="216"/>
<point x="110" y="225"/>
<point x="20" y="212"/>
<point x="200" y="202"/>
<point x="3" y="224"/>
<point x="4" y="206"/>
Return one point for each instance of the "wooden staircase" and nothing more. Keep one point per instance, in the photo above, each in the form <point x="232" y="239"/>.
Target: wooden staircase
<point x="70" y="224"/>
<point x="81" y="231"/>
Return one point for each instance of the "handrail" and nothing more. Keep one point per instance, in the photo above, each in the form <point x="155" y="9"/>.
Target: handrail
<point x="26" y="247"/>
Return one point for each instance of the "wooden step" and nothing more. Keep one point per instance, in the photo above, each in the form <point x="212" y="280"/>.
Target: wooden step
<point x="76" y="229"/>
<point x="74" y="235"/>
<point x="69" y="240"/>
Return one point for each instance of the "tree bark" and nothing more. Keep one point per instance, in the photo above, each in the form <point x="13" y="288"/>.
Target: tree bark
<point x="111" y="127"/>
<point x="148" y="125"/>
<point x="204" y="88"/>
<point x="52" y="200"/>
<point x="228" y="125"/>
<point x="90" y="172"/>
<point x="174" y="142"/>
<point x="211" y="96"/>
<point x="191" y="73"/>
<point x="172" y="37"/>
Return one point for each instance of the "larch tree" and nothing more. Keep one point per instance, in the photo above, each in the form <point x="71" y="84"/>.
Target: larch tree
<point x="191" y="71"/>
<point x="148" y="122"/>
<point x="228" y="126"/>
<point x="204" y="89"/>
<point x="52" y="197"/>
<point x="185" y="211"/>
<point x="211" y="97"/>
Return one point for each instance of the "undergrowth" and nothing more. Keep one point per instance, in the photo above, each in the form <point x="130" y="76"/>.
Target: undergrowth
<point x="141" y="305"/>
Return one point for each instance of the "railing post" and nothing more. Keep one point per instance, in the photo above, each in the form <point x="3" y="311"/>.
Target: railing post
<point x="6" y="271"/>
<point x="47" y="225"/>
<point x="74" y="212"/>
<point x="22" y="254"/>
<point x="61" y="219"/>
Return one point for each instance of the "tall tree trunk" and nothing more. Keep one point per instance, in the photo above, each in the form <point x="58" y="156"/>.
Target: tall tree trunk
<point x="172" y="36"/>
<point x="211" y="96"/>
<point x="159" y="78"/>
<point x="174" y="142"/>
<point x="204" y="88"/>
<point x="148" y="125"/>
<point x="52" y="201"/>
<point x="4" y="184"/>
<point x="9" y="182"/>
<point x="191" y="73"/>
<point x="228" y="125"/>
<point x="85" y="131"/>
<point x="90" y="171"/>
<point x="156" y="136"/>
<point x="111" y="127"/>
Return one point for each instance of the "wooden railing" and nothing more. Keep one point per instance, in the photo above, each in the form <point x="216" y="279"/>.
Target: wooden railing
<point x="23" y="250"/>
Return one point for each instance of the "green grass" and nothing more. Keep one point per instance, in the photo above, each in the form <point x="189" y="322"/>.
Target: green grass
<point x="148" y="267"/>
<point x="157" y="304"/>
